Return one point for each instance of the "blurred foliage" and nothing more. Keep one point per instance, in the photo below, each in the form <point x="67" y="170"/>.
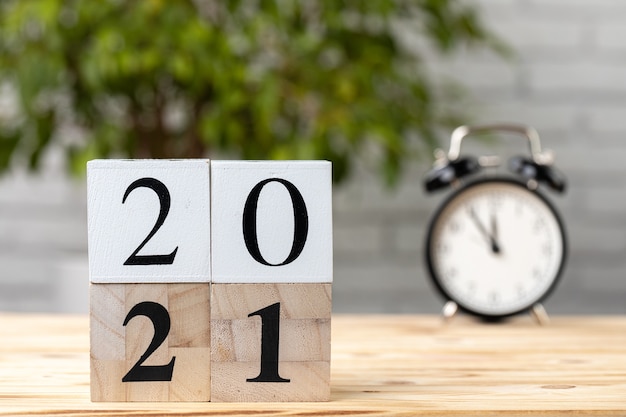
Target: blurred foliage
<point x="263" y="79"/>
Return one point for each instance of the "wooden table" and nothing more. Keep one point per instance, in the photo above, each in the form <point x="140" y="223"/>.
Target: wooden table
<point x="381" y="365"/>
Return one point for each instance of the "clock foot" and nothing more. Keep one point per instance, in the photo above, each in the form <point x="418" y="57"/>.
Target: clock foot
<point x="449" y="310"/>
<point x="540" y="314"/>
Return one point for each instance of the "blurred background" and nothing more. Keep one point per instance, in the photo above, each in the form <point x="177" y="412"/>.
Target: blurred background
<point x="374" y="86"/>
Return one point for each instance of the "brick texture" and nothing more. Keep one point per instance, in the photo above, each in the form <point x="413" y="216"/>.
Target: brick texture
<point x="567" y="79"/>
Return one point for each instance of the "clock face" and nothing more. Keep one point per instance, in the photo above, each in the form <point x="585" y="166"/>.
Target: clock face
<point x="496" y="248"/>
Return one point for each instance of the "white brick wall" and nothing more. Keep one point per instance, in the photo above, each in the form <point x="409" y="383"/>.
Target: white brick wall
<point x="43" y="258"/>
<point x="568" y="79"/>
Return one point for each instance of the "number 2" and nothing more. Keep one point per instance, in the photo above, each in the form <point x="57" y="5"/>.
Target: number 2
<point x="164" y="200"/>
<point x="161" y="321"/>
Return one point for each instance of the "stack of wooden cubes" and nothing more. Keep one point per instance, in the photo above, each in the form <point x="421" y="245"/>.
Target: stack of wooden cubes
<point x="210" y="280"/>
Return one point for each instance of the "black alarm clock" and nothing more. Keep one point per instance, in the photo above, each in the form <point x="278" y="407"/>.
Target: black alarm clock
<point x="497" y="246"/>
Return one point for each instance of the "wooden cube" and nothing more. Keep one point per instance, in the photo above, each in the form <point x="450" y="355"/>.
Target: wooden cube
<point x="210" y="280"/>
<point x="270" y="342"/>
<point x="271" y="221"/>
<point x="150" y="342"/>
<point x="149" y="221"/>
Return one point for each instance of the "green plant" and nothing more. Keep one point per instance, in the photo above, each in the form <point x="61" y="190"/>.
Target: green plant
<point x="265" y="79"/>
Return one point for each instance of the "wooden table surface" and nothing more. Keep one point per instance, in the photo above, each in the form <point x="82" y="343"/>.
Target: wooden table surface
<point x="381" y="365"/>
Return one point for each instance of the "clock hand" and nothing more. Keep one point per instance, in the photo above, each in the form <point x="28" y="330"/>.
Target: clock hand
<point x="495" y="248"/>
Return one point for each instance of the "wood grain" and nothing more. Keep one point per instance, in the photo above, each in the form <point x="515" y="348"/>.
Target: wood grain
<point x="381" y="365"/>
<point x="303" y="348"/>
<point x="116" y="348"/>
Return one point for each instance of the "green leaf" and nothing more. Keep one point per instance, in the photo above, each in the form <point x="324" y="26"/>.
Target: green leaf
<point x="8" y="144"/>
<point x="267" y="79"/>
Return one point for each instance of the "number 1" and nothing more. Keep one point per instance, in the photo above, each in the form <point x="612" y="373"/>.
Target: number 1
<point x="270" y="332"/>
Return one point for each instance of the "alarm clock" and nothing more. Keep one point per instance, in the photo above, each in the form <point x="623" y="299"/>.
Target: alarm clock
<point x="496" y="246"/>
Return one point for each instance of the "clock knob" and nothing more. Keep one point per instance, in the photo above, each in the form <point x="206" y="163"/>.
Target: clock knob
<point x="444" y="175"/>
<point x="546" y="174"/>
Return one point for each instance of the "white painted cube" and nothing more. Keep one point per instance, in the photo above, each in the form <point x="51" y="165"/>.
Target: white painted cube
<point x="271" y="221"/>
<point x="149" y="221"/>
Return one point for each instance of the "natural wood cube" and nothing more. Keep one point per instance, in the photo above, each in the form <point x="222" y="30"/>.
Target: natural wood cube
<point x="270" y="342"/>
<point x="173" y="242"/>
<point x="150" y="342"/>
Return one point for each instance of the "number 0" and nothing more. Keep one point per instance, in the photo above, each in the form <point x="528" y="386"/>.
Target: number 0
<point x="300" y="227"/>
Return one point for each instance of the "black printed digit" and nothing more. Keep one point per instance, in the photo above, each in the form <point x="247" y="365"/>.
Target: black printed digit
<point x="164" y="200"/>
<point x="270" y="332"/>
<point x="301" y="222"/>
<point x="161" y="322"/>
